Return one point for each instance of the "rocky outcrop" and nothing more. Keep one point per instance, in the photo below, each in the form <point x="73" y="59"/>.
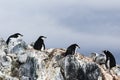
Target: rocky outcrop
<point x="22" y="62"/>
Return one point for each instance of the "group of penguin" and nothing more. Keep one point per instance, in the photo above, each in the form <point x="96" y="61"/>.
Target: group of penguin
<point x="39" y="45"/>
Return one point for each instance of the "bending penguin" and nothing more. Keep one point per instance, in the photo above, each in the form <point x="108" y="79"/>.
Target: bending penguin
<point x="110" y="59"/>
<point x="71" y="49"/>
<point x="14" y="37"/>
<point x="39" y="44"/>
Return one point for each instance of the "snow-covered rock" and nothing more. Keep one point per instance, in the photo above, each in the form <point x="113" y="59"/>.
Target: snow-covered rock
<point x="98" y="58"/>
<point x="22" y="62"/>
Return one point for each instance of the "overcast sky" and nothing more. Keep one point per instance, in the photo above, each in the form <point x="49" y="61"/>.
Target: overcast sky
<point x="93" y="24"/>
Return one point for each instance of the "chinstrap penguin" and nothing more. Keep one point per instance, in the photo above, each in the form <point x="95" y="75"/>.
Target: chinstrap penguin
<point x="16" y="36"/>
<point x="71" y="49"/>
<point x="39" y="44"/>
<point x="110" y="59"/>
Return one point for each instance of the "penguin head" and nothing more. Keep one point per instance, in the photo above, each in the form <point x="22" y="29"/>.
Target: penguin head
<point x="14" y="37"/>
<point x="42" y="37"/>
<point x="106" y="52"/>
<point x="75" y="45"/>
<point x="17" y="35"/>
<point x="71" y="49"/>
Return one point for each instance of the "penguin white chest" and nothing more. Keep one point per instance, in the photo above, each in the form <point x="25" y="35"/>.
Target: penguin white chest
<point x="108" y="63"/>
<point x="42" y="48"/>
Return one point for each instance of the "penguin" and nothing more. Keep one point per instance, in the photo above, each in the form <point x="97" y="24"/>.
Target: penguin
<point x="39" y="44"/>
<point x="110" y="59"/>
<point x="71" y="49"/>
<point x="13" y="37"/>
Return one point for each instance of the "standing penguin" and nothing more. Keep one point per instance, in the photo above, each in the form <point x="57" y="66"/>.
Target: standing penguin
<point x="16" y="36"/>
<point x="110" y="59"/>
<point x="71" y="49"/>
<point x="39" y="44"/>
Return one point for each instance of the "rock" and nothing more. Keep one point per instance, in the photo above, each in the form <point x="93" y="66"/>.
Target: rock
<point x="3" y="45"/>
<point x="22" y="58"/>
<point x="116" y="70"/>
<point x="17" y="47"/>
<point x="29" y="69"/>
<point x="5" y="63"/>
<point x="23" y="63"/>
<point x="98" y="58"/>
<point x="79" y="70"/>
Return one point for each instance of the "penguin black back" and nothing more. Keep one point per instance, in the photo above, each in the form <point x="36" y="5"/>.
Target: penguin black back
<point x="13" y="36"/>
<point x="71" y="49"/>
<point x="39" y="43"/>
<point x="110" y="58"/>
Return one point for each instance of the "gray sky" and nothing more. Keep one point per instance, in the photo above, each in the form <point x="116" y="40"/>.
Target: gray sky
<point x="93" y="24"/>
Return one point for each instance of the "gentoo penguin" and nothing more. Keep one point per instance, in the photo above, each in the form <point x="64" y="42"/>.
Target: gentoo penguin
<point x="71" y="49"/>
<point x="110" y="59"/>
<point x="39" y="44"/>
<point x="14" y="37"/>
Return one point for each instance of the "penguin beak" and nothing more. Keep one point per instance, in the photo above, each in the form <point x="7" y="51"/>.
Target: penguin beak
<point x="44" y="37"/>
<point x="21" y="35"/>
